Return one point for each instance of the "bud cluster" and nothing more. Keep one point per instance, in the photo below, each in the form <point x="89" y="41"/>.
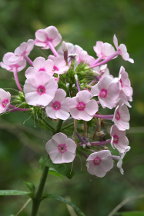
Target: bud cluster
<point x="72" y="86"/>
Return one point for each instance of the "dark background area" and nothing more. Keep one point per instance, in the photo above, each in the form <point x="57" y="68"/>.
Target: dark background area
<point x="81" y="22"/>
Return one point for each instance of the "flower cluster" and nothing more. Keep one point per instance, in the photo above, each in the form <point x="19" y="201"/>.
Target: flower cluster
<point x="73" y="87"/>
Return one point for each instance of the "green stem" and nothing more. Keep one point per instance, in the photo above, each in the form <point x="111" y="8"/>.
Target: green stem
<point x="38" y="196"/>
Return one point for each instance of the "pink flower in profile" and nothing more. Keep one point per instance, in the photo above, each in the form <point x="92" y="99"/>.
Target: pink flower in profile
<point x="67" y="47"/>
<point x="107" y="90"/>
<point x="58" y="108"/>
<point x="82" y="56"/>
<point x="120" y="161"/>
<point x="101" y="71"/>
<point x="40" y="89"/>
<point x="125" y="86"/>
<point x="25" y="48"/>
<point x="99" y="163"/>
<point x="40" y="64"/>
<point x="46" y="36"/>
<point x="13" y="63"/>
<point x="103" y="50"/>
<point x="61" y="149"/>
<point x="122" y="50"/>
<point x="5" y="98"/>
<point x="60" y="66"/>
<point x="119" y="139"/>
<point x="121" y="117"/>
<point x="77" y="52"/>
<point x="82" y="107"/>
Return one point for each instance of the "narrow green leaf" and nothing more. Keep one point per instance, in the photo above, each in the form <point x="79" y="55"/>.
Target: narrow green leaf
<point x="13" y="193"/>
<point x="67" y="202"/>
<point x="133" y="213"/>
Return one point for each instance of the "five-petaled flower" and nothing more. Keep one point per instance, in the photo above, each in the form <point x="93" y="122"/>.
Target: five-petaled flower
<point x="107" y="90"/>
<point x="82" y="107"/>
<point x="99" y="163"/>
<point x="61" y="149"/>
<point x="40" y="89"/>
<point x="58" y="108"/>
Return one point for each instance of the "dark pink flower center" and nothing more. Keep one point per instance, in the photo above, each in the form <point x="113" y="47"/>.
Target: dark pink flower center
<point x="55" y="68"/>
<point x="81" y="106"/>
<point x="56" y="105"/>
<point x="42" y="69"/>
<point x="115" y="139"/>
<point x="41" y="90"/>
<point x="103" y="93"/>
<point x="117" y="116"/>
<point x="62" y="148"/>
<point x="97" y="160"/>
<point x="4" y="103"/>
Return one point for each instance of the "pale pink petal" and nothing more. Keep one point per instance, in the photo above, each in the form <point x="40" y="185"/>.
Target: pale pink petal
<point x="60" y="95"/>
<point x="84" y="116"/>
<point x="91" y="107"/>
<point x="61" y="114"/>
<point x="50" y="112"/>
<point x="60" y="138"/>
<point x="115" y="41"/>
<point x="68" y="157"/>
<point x="84" y="96"/>
<point x="71" y="145"/>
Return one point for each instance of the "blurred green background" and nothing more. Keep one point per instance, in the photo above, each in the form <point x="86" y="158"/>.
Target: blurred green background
<point x="81" y="22"/>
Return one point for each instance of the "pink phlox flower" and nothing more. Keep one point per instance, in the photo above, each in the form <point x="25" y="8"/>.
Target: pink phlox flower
<point x="101" y="70"/>
<point x="121" y="117"/>
<point x="49" y="34"/>
<point x="25" y="48"/>
<point x="61" y="149"/>
<point x="119" y="140"/>
<point x="76" y="52"/>
<point x="99" y="163"/>
<point x="82" y="107"/>
<point x="40" y="89"/>
<point x="126" y="90"/>
<point x="122" y="50"/>
<point x="67" y="47"/>
<point x="82" y="56"/>
<point x="40" y="64"/>
<point x="120" y="162"/>
<point x="60" y="65"/>
<point x="103" y="50"/>
<point x="13" y="63"/>
<point x="58" y="108"/>
<point x="5" y="98"/>
<point x="107" y="90"/>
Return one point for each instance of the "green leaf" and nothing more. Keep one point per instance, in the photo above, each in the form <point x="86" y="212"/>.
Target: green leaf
<point x="67" y="202"/>
<point x="60" y="169"/>
<point x="133" y="213"/>
<point x="30" y="186"/>
<point x="13" y="193"/>
<point x="54" y="173"/>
